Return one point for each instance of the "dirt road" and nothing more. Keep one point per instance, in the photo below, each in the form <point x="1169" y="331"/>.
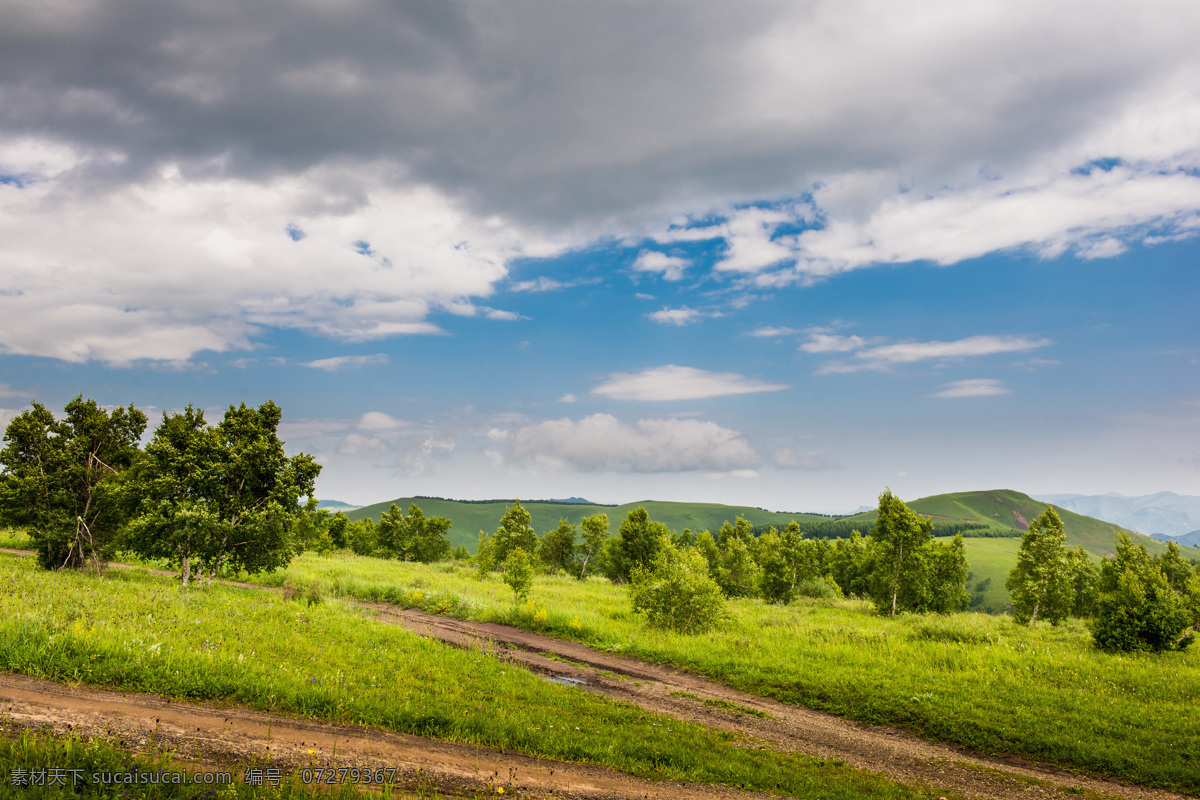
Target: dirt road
<point x="901" y="756"/>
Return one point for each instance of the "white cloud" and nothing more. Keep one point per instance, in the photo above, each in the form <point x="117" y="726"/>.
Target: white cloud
<point x="167" y="267"/>
<point x="908" y="352"/>
<point x="341" y="362"/>
<point x="768" y="332"/>
<point x="505" y="316"/>
<point x="672" y="382"/>
<point x="6" y="416"/>
<point x="832" y="343"/>
<point x="379" y="421"/>
<point x="601" y="443"/>
<point x="669" y="267"/>
<point x="568" y="398"/>
<point x="539" y="284"/>
<point x="497" y="435"/>
<point x="679" y="316"/>
<point x="975" y="387"/>
<point x="358" y="446"/>
<point x="883" y="357"/>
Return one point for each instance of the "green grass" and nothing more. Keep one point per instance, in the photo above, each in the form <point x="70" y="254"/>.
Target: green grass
<point x="140" y="632"/>
<point x="991" y="560"/>
<point x="15" y="539"/>
<point x="71" y="766"/>
<point x="971" y="679"/>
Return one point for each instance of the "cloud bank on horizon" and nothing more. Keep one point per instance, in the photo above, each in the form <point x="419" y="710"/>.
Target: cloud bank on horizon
<point x="184" y="180"/>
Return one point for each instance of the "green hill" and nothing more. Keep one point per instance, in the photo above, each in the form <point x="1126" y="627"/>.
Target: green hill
<point x="1008" y="512"/>
<point x="469" y="517"/>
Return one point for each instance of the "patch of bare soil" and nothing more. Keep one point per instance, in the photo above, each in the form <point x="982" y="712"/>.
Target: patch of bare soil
<point x="213" y="735"/>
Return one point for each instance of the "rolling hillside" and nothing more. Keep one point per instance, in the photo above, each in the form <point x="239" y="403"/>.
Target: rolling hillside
<point x="468" y="518"/>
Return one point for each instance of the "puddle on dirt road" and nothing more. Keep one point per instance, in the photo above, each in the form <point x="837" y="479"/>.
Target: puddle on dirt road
<point x="567" y="680"/>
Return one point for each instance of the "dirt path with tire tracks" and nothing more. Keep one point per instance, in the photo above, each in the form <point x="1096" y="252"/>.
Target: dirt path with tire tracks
<point x="203" y="731"/>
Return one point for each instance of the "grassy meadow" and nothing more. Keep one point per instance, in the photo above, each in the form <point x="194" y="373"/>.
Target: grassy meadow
<point x="136" y="631"/>
<point x="970" y="679"/>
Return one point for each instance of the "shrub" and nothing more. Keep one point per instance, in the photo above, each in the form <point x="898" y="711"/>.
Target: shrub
<point x="1139" y="608"/>
<point x="676" y="592"/>
<point x="518" y="572"/>
<point x="823" y="588"/>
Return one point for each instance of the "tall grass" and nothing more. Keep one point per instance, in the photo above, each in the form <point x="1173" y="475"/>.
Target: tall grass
<point x="328" y="660"/>
<point x="970" y="679"/>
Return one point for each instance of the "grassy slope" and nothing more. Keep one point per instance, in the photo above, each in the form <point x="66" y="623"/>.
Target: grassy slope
<point x="971" y="679"/>
<point x="141" y="632"/>
<point x="470" y="518"/>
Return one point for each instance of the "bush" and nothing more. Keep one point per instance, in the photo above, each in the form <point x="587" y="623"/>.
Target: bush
<point x="823" y="588"/>
<point x="1139" y="608"/>
<point x="518" y="572"/>
<point x="676" y="592"/>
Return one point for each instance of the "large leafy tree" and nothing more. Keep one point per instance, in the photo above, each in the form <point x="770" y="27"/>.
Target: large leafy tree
<point x="60" y="478"/>
<point x="899" y="544"/>
<point x="415" y="537"/>
<point x="1040" y="584"/>
<point x="219" y="495"/>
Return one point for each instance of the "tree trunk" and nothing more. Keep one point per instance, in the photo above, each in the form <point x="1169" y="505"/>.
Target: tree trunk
<point x="187" y="569"/>
<point x="1033" y="619"/>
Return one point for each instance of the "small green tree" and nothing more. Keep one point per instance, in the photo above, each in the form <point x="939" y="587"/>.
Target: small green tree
<point x="1085" y="576"/>
<point x="1138" y="607"/>
<point x="738" y="574"/>
<point x="337" y="531"/>
<point x="515" y="532"/>
<point x="637" y="542"/>
<point x="948" y="576"/>
<point x="740" y="529"/>
<point x="786" y="560"/>
<point x="898" y="543"/>
<point x="311" y="529"/>
<point x="851" y="565"/>
<point x="518" y="572"/>
<point x="595" y="533"/>
<point x="360" y="536"/>
<point x="60" y="478"/>
<point x="557" y="550"/>
<point x="676" y="592"/>
<point x="1040" y="583"/>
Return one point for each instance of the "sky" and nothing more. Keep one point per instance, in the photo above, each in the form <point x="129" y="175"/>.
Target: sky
<point x="783" y="254"/>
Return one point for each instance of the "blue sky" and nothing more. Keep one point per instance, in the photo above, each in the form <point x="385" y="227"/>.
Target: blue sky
<point x="784" y="257"/>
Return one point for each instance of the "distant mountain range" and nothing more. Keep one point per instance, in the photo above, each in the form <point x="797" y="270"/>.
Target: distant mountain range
<point x="1174" y="515"/>
<point x="335" y="505"/>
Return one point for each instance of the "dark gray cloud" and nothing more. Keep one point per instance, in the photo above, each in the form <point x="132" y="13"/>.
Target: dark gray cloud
<point x="574" y="113"/>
